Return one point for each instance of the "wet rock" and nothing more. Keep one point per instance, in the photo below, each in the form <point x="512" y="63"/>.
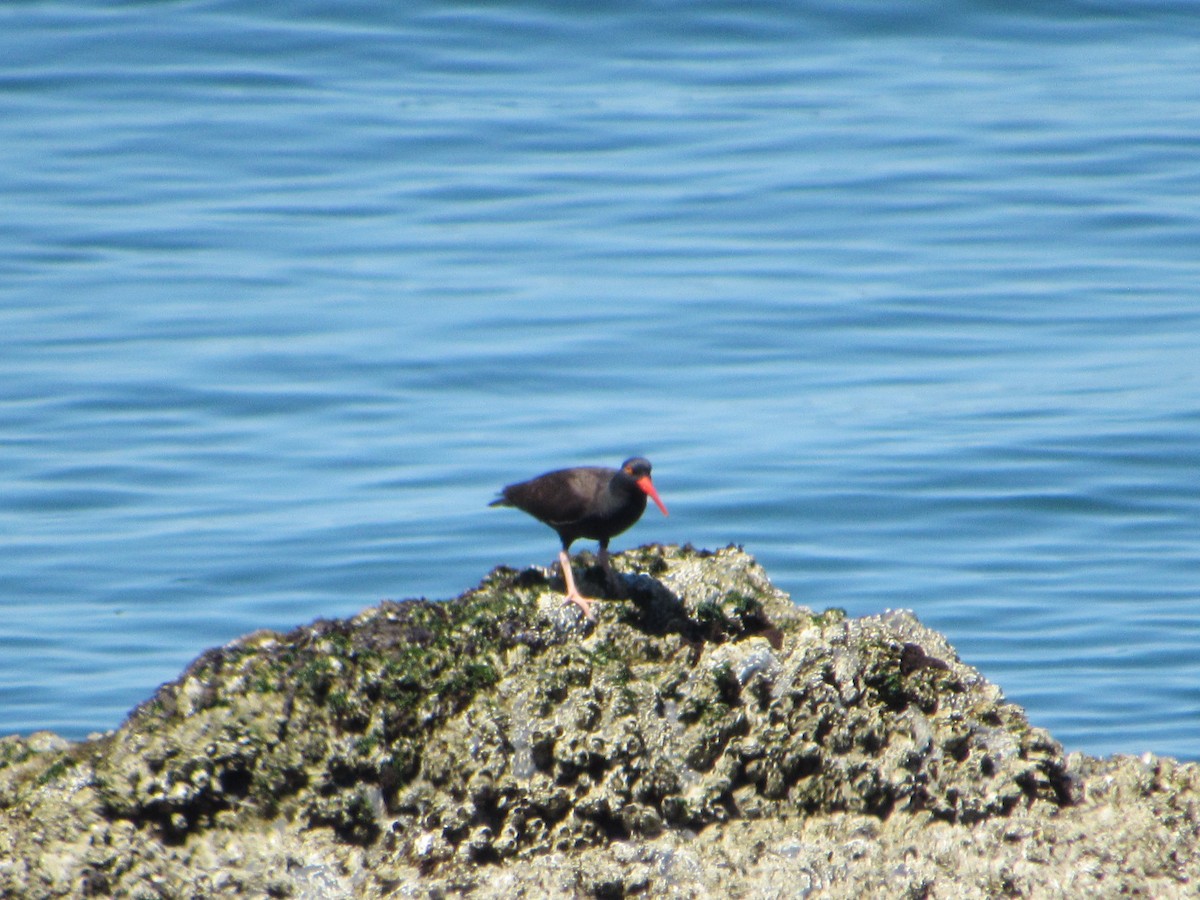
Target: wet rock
<point x="705" y="734"/>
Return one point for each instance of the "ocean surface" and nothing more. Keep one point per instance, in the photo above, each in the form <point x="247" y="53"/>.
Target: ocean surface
<point x="902" y="296"/>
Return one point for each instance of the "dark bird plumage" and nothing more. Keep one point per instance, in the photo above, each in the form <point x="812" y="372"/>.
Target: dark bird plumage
<point x="586" y="502"/>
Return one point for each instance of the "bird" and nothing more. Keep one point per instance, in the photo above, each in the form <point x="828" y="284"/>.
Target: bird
<point x="591" y="502"/>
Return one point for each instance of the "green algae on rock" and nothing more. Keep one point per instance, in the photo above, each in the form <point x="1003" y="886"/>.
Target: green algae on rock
<point x="420" y="746"/>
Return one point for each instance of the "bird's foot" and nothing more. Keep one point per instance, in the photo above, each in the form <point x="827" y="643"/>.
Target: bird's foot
<point x="573" y="595"/>
<point x="583" y="603"/>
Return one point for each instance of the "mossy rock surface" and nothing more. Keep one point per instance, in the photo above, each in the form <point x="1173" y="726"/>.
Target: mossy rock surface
<point x="443" y="747"/>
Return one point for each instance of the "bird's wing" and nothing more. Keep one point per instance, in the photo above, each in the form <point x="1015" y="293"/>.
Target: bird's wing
<point x="562" y="497"/>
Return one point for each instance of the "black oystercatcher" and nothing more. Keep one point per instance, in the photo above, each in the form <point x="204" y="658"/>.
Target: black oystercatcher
<point x="586" y="502"/>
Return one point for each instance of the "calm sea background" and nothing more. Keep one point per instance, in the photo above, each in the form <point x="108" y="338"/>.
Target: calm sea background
<point x="902" y="296"/>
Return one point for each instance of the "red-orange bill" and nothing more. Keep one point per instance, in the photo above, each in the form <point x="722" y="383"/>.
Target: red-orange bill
<point x="648" y="486"/>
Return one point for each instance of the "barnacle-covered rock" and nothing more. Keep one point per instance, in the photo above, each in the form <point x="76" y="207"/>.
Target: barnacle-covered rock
<point x="705" y="734"/>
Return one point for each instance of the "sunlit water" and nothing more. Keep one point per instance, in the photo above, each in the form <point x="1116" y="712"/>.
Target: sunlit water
<point x="904" y="301"/>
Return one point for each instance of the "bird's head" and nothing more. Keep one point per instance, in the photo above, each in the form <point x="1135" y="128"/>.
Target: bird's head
<point x="638" y="468"/>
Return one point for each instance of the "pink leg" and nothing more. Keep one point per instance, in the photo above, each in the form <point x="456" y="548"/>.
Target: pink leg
<point x="573" y="595"/>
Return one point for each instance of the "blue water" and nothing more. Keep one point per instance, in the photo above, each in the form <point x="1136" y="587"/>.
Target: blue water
<point x="902" y="299"/>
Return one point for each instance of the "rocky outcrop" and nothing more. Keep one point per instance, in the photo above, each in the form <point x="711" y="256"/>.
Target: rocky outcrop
<point x="705" y="737"/>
